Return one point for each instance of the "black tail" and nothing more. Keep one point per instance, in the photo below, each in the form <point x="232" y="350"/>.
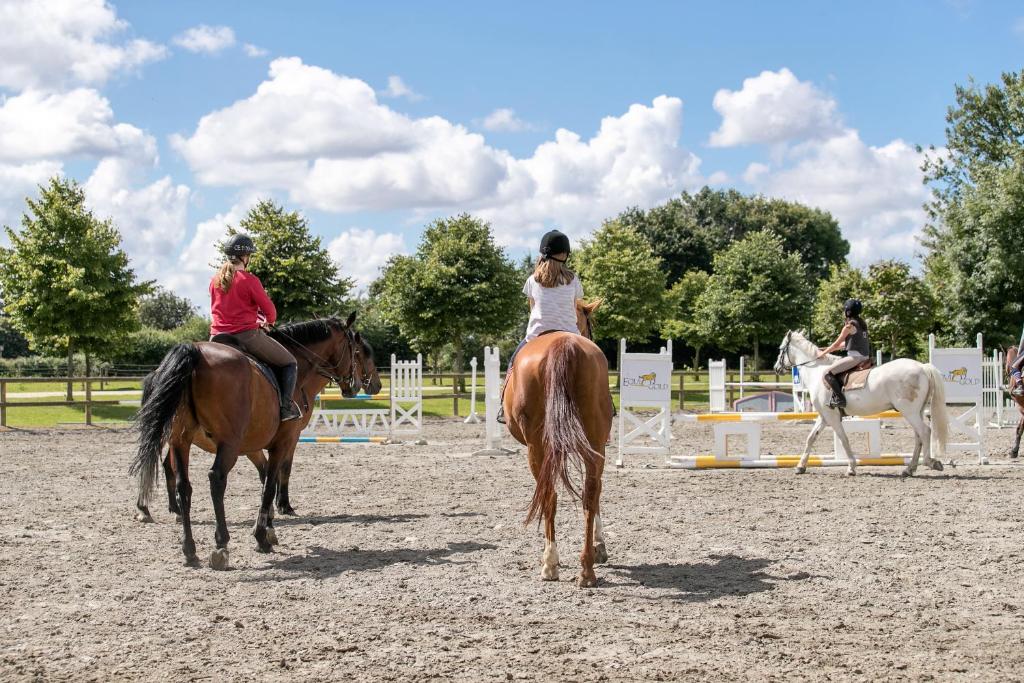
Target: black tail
<point x="566" y="446"/>
<point x="163" y="392"/>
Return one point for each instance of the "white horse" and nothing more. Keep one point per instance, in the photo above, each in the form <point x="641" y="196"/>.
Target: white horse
<point x="903" y="384"/>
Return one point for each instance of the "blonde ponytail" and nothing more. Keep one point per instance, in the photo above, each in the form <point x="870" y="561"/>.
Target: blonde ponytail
<point x="227" y="273"/>
<point x="551" y="273"/>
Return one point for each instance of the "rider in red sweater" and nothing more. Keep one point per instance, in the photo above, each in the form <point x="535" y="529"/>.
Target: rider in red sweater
<point x="239" y="306"/>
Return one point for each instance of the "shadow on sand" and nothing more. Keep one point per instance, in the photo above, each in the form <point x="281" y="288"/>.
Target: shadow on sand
<point x="724" y="575"/>
<point x="325" y="562"/>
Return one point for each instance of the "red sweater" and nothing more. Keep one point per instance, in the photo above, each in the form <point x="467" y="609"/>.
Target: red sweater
<point x="239" y="309"/>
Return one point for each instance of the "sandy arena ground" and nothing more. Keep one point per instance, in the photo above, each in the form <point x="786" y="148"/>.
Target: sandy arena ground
<point x="412" y="563"/>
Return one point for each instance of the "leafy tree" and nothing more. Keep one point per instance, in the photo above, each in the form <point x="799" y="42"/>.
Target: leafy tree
<point x="757" y="293"/>
<point x="164" y="310"/>
<point x="976" y="227"/>
<point x="66" y="281"/>
<point x="459" y="284"/>
<point x="295" y="269"/>
<point x="844" y="282"/>
<point x="683" y="320"/>
<point x="686" y="232"/>
<point x="13" y="343"/>
<point x="898" y="308"/>
<point x="619" y="266"/>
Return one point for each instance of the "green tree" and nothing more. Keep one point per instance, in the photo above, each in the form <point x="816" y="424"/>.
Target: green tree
<point x="898" y="308"/>
<point x="844" y="282"/>
<point x="164" y="310"/>
<point x="619" y="266"/>
<point x="687" y="231"/>
<point x="13" y="343"/>
<point x="682" y="319"/>
<point x="976" y="214"/>
<point x="66" y="281"/>
<point x="294" y="267"/>
<point x="756" y="293"/>
<point x="458" y="285"/>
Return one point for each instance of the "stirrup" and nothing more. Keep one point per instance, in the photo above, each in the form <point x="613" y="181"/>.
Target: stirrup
<point x="1017" y="390"/>
<point x="290" y="412"/>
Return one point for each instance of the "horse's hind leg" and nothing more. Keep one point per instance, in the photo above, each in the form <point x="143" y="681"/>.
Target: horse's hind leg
<point x="591" y="509"/>
<point x="263" y="530"/>
<point x="922" y="442"/>
<point x="600" y="549"/>
<point x="283" y="476"/>
<point x="549" y="561"/>
<point x="222" y="463"/>
<point x="172" y="504"/>
<point x="1016" y="442"/>
<point x="811" y="438"/>
<point x="179" y="451"/>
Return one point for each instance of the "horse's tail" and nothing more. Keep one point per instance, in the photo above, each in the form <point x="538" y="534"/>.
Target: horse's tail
<point x="164" y="390"/>
<point x="566" y="446"/>
<point x="940" y="418"/>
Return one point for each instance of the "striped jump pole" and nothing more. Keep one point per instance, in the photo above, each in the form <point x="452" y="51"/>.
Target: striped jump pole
<point x="710" y="462"/>
<point x="775" y="417"/>
<point x="343" y="439"/>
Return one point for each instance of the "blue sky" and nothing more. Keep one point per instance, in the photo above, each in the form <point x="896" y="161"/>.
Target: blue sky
<point x="817" y="102"/>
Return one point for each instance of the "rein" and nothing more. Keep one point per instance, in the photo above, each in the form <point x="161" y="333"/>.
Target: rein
<point x="789" y="358"/>
<point x="321" y="366"/>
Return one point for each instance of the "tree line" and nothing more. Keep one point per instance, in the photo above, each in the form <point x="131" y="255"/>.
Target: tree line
<point x="716" y="270"/>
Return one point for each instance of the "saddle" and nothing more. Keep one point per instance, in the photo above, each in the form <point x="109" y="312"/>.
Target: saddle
<point x="857" y="377"/>
<point x="265" y="370"/>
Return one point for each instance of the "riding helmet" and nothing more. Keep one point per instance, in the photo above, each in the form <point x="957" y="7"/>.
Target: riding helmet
<point x="554" y="242"/>
<point x="239" y="245"/>
<point x="852" y="308"/>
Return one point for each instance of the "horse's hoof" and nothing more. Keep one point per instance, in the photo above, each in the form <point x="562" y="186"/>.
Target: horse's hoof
<point x="600" y="553"/>
<point x="192" y="561"/>
<point x="144" y="517"/>
<point x="800" y="470"/>
<point x="219" y="559"/>
<point x="177" y="518"/>
<point x="906" y="474"/>
<point x="936" y="465"/>
<point x="586" y="581"/>
<point x="546" y="575"/>
<point x="1013" y="455"/>
<point x="271" y="536"/>
<point x="286" y="510"/>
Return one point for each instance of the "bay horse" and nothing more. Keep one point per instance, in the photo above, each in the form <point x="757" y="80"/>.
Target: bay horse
<point x="368" y="382"/>
<point x="557" y="405"/>
<point x="903" y="384"/>
<point x="1011" y="355"/>
<point x="210" y="394"/>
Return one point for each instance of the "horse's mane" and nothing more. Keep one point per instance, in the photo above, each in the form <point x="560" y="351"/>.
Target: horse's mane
<point x="797" y="338"/>
<point x="308" y="332"/>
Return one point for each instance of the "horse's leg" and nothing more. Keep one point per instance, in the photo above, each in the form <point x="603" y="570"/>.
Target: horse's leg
<point x="172" y="503"/>
<point x="801" y="466"/>
<point x="835" y="421"/>
<point x="180" y="452"/>
<point x="922" y="441"/>
<point x="549" y="562"/>
<point x="264" y="520"/>
<point x="225" y="459"/>
<point x="591" y="508"/>
<point x="1016" y="442"/>
<point x="283" y="506"/>
<point x="600" y="550"/>
<point x="260" y="463"/>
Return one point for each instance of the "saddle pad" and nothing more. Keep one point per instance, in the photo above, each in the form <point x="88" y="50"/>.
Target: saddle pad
<point x="856" y="379"/>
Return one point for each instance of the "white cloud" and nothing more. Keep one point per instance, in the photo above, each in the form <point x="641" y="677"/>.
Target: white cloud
<point x="18" y="181"/>
<point x="51" y="43"/>
<point x="771" y="108"/>
<point x="505" y="120"/>
<point x="875" y="193"/>
<point x="327" y="141"/>
<point x="397" y="88"/>
<point x="253" y="50"/>
<point x="152" y="219"/>
<point x="208" y="39"/>
<point x="361" y="253"/>
<point x="719" y="178"/>
<point x="35" y="125"/>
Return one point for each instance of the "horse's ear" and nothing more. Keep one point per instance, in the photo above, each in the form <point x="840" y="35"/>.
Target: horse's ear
<point x="351" y="320"/>
<point x="594" y="305"/>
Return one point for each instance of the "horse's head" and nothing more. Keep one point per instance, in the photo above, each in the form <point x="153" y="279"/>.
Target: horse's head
<point x="794" y="350"/>
<point x="366" y="369"/>
<point x="584" y="317"/>
<point x="328" y="346"/>
<point x="1011" y="355"/>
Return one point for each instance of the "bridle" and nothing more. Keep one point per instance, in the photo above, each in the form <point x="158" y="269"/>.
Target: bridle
<point x="789" y="360"/>
<point x="357" y="349"/>
<point x="322" y="367"/>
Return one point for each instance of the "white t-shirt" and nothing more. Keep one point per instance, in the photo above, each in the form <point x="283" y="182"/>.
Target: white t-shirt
<point x="554" y="308"/>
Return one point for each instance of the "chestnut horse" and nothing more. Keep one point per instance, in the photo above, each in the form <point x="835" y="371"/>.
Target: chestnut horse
<point x="369" y="383"/>
<point x="557" y="405"/>
<point x="1011" y="355"/>
<point x="211" y="395"/>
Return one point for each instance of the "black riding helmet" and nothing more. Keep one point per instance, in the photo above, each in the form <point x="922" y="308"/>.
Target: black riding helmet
<point x="553" y="242"/>
<point x="239" y="245"/>
<point x="852" y="308"/>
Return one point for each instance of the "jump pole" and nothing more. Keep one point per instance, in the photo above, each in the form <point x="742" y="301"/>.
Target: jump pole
<point x="492" y="398"/>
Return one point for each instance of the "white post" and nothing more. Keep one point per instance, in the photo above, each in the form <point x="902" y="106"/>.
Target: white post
<point x="472" y="418"/>
<point x="742" y="359"/>
<point x="492" y="398"/>
<point x="878" y="356"/>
